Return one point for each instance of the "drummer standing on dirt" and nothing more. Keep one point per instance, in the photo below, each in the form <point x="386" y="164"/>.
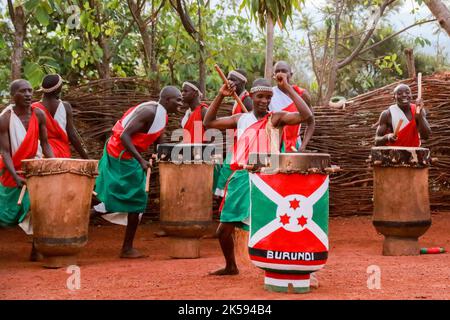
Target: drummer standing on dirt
<point x="121" y="181"/>
<point x="252" y="137"/>
<point x="59" y="118"/>
<point x="23" y="135"/>
<point x="414" y="125"/>
<point x="192" y="122"/>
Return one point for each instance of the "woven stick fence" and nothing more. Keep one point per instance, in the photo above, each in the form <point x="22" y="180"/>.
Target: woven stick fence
<point x="347" y="134"/>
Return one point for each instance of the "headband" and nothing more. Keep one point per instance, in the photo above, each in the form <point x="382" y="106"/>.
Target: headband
<point x="261" y="88"/>
<point x="237" y="75"/>
<point x="55" y="87"/>
<point x="193" y="86"/>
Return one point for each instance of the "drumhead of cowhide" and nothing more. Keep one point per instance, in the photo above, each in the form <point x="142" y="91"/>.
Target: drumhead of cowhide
<point x="189" y="152"/>
<point x="400" y="157"/>
<point x="51" y="166"/>
<point x="305" y="163"/>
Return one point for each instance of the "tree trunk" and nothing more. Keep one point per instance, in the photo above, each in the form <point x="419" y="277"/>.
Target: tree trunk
<point x="201" y="60"/>
<point x="103" y="69"/>
<point x="19" y="21"/>
<point x="331" y="85"/>
<point x="409" y="53"/>
<point x="142" y="26"/>
<point x="269" y="48"/>
<point x="441" y="12"/>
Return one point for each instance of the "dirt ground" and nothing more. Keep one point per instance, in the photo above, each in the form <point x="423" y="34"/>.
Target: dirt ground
<point x="354" y="246"/>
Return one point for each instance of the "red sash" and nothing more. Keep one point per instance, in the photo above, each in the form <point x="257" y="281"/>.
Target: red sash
<point x="237" y="108"/>
<point x="291" y="132"/>
<point x="190" y="135"/>
<point x="253" y="140"/>
<point x="57" y="137"/>
<point x="142" y="141"/>
<point x="27" y="150"/>
<point x="409" y="135"/>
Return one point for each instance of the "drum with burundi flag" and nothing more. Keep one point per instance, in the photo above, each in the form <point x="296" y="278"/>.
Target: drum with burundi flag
<point x="289" y="223"/>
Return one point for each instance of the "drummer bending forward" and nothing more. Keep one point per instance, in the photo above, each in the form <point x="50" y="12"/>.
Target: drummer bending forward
<point x="22" y="133"/>
<point x="121" y="181"/>
<point x="251" y="138"/>
<point x="414" y="126"/>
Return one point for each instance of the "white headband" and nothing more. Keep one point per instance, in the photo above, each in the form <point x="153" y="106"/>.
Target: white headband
<point x="56" y="86"/>
<point x="193" y="86"/>
<point x="261" y="88"/>
<point x="237" y="75"/>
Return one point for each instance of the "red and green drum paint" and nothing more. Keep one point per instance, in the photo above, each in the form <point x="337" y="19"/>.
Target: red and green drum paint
<point x="289" y="228"/>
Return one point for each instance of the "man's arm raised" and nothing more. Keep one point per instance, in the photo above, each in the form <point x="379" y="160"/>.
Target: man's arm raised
<point x="289" y="118"/>
<point x="211" y="120"/>
<point x="422" y="123"/>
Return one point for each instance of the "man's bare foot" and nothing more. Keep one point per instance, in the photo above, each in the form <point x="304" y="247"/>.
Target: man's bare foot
<point x="132" y="254"/>
<point x="313" y="281"/>
<point x="160" y="233"/>
<point x="224" y="272"/>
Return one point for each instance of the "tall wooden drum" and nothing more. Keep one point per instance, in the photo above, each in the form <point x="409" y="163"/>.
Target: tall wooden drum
<point x="401" y="197"/>
<point x="289" y="219"/>
<point x="60" y="194"/>
<point x="186" y="182"/>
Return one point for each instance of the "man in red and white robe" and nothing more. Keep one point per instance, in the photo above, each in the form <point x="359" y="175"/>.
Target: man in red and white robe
<point x="256" y="133"/>
<point x="414" y="126"/>
<point x="192" y="122"/>
<point x="59" y="118"/>
<point x="23" y="135"/>
<point x="291" y="140"/>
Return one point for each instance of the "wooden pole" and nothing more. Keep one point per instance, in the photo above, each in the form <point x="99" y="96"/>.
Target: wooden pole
<point x="225" y="81"/>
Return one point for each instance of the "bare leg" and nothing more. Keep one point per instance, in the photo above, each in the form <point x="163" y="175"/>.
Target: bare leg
<point x="127" y="249"/>
<point x="225" y="235"/>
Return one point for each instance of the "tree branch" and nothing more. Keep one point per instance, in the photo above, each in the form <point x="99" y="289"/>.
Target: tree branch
<point x="180" y="8"/>
<point x="122" y="37"/>
<point x="395" y="34"/>
<point x="11" y="11"/>
<point x="364" y="41"/>
<point x="313" y="58"/>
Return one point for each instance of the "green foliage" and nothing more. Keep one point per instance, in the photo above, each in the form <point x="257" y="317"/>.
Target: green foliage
<point x="279" y="10"/>
<point x="67" y="40"/>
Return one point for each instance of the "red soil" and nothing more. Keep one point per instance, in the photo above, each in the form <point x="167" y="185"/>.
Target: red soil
<point x="354" y="245"/>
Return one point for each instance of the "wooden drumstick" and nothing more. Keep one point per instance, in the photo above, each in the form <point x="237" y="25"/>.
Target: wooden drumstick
<point x="22" y="194"/>
<point x="147" y="181"/>
<point x="397" y="129"/>
<point x="225" y="81"/>
<point x="419" y="86"/>
<point x="419" y="90"/>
